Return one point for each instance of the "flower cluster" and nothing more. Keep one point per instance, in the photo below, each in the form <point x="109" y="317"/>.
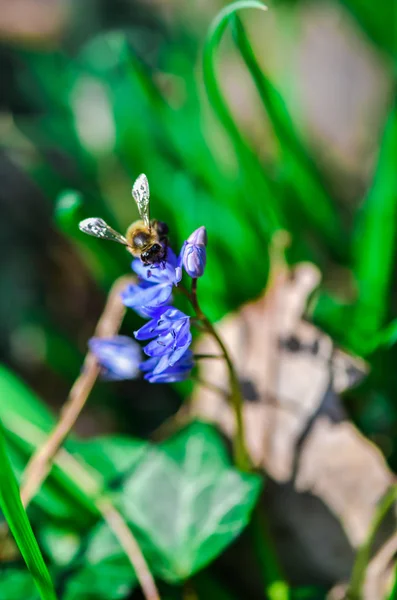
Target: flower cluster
<point x="168" y="329"/>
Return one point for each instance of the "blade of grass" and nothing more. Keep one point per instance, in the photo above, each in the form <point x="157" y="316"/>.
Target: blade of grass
<point x="302" y="172"/>
<point x="254" y="179"/>
<point x="393" y="591"/>
<point x="360" y="326"/>
<point x="355" y="590"/>
<point x="16" y="517"/>
<point x="26" y="422"/>
<point x="375" y="237"/>
<point x="378" y="25"/>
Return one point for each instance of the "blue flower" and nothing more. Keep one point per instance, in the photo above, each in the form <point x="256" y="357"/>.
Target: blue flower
<point x="193" y="253"/>
<point x="155" y="286"/>
<point x="156" y="373"/>
<point x="171" y="330"/>
<point x="119" y="356"/>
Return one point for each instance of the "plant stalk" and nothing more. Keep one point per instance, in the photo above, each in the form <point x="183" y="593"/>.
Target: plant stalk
<point x="355" y="589"/>
<point x="240" y="452"/>
<point x="41" y="462"/>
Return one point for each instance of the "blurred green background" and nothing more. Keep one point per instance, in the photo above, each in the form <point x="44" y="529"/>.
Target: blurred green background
<point x="290" y="122"/>
<point x="287" y="122"/>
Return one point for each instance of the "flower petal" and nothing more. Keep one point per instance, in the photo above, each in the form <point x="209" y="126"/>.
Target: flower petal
<point x="157" y="370"/>
<point x="119" y="356"/>
<point x="160" y="346"/>
<point x="157" y="273"/>
<point x="198" y="237"/>
<point x="153" y="296"/>
<point x="166" y="319"/>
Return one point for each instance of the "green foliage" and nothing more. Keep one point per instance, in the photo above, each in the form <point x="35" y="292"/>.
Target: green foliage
<point x="26" y="422"/>
<point x="104" y="573"/>
<point x="375" y="237"/>
<point x="359" y="326"/>
<point x="297" y="171"/>
<point x="379" y="24"/>
<point x="16" y="517"/>
<point x="393" y="591"/>
<point x="192" y="505"/>
<point x="182" y="499"/>
<point x="112" y="457"/>
<point x="17" y="584"/>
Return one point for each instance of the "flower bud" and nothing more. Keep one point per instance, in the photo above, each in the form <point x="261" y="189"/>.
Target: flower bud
<point x="194" y="253"/>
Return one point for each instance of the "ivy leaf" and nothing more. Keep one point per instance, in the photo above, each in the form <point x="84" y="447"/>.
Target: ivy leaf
<point x="15" y="583"/>
<point x="61" y="543"/>
<point x="186" y="502"/>
<point x="104" y="573"/>
<point x="111" y="456"/>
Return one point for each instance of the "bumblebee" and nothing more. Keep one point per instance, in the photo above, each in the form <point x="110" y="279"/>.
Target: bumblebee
<point x="146" y="239"/>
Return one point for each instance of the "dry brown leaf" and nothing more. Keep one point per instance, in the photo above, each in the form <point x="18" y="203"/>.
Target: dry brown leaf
<point x="327" y="477"/>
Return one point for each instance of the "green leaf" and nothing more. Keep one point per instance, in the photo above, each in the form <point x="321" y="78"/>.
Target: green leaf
<point x="66" y="494"/>
<point x="16" y="517"/>
<point x="112" y="457"/>
<point x="252" y="172"/>
<point x="388" y="336"/>
<point x="186" y="502"/>
<point x="296" y="163"/>
<point x="15" y="584"/>
<point x="393" y="592"/>
<point x="375" y="237"/>
<point x="15" y="396"/>
<point x="61" y="543"/>
<point x="378" y="25"/>
<point x="104" y="573"/>
<point x="360" y="326"/>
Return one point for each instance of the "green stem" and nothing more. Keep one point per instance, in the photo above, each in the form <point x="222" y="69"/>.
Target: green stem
<point x="355" y="589"/>
<point x="240" y="452"/>
<point x="211" y="386"/>
<point x="276" y="588"/>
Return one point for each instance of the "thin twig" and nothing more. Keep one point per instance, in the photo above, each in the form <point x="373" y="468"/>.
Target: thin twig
<point x="40" y="464"/>
<point x="130" y="546"/>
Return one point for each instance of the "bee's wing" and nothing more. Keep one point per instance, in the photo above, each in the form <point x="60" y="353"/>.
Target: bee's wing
<point x="141" y="195"/>
<point x="100" y="229"/>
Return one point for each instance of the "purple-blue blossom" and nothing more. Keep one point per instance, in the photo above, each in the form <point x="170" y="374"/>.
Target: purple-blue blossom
<point x="119" y="357"/>
<point x="170" y="329"/>
<point x="154" y="288"/>
<point x="193" y="253"/>
<point x="156" y="373"/>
